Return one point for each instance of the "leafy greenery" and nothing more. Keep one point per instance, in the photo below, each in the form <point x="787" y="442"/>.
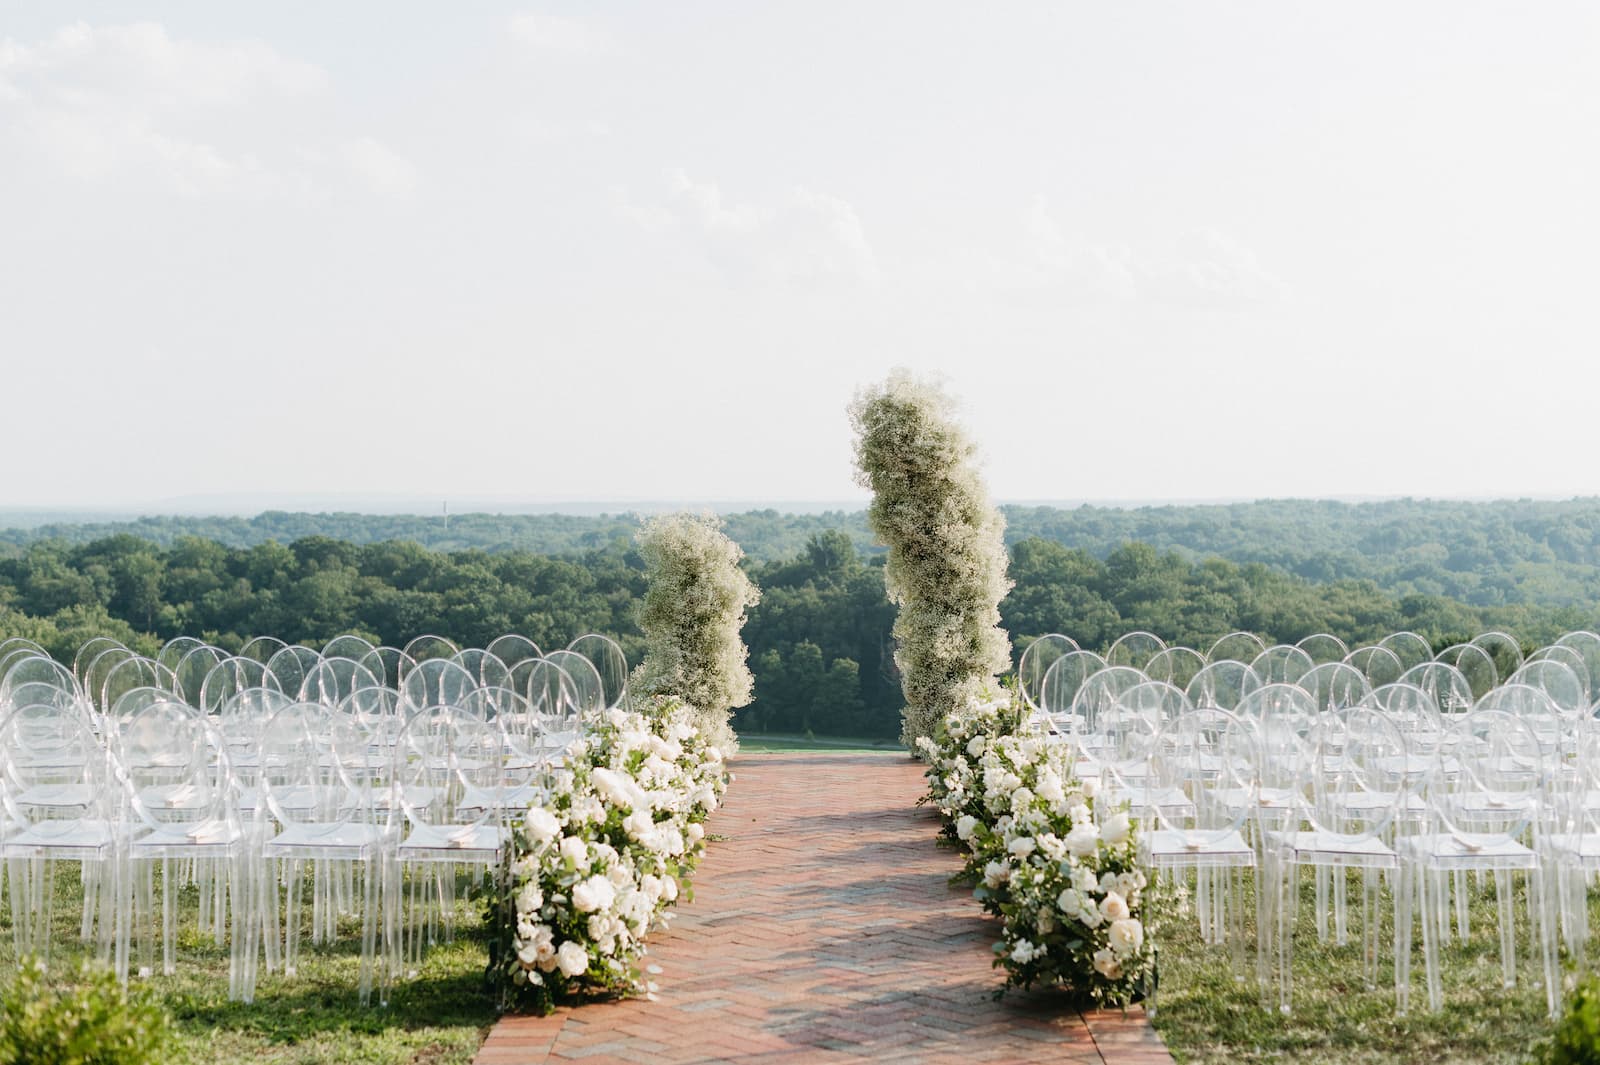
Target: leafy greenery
<point x="1576" y="1040"/>
<point x="91" y="1020"/>
<point x="820" y="644"/>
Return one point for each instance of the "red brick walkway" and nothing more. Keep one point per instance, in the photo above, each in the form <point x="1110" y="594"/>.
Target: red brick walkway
<point x="823" y="930"/>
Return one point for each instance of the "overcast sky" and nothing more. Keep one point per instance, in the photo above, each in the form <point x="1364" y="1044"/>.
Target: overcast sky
<point x="1159" y="251"/>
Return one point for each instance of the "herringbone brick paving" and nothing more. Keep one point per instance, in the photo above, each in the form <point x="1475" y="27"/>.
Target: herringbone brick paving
<point x="824" y="930"/>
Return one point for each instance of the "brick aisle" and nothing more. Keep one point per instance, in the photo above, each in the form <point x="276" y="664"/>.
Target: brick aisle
<point x="823" y="930"/>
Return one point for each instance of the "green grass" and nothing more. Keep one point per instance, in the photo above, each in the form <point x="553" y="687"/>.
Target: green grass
<point x="1205" y="1015"/>
<point x="755" y="743"/>
<point x="437" y="1017"/>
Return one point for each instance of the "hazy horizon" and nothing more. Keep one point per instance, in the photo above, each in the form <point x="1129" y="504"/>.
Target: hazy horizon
<point x="616" y="251"/>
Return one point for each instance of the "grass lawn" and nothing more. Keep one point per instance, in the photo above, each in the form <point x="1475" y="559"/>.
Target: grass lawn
<point x="756" y="743"/>
<point x="1205" y="1015"/>
<point x="437" y="1017"/>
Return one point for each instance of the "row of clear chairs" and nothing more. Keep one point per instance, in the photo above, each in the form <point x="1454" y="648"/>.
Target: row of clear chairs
<point x="1412" y="776"/>
<point x="302" y="782"/>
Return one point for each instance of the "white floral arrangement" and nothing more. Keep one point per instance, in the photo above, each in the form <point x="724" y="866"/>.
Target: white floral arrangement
<point x="1065" y="883"/>
<point x="595" y="866"/>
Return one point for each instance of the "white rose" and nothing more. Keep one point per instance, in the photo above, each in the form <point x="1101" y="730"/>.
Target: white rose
<point x="695" y="832"/>
<point x="1024" y="952"/>
<point x="1126" y="936"/>
<point x="543" y="826"/>
<point x="640" y="825"/>
<point x="1091" y="787"/>
<point x="572" y="958"/>
<point x="1021" y="847"/>
<point x="529" y="898"/>
<point x="1107" y="965"/>
<point x="1114" y="907"/>
<point x="1069" y="901"/>
<point x="1080" y="813"/>
<point x="966" y="824"/>
<point x="1049" y="787"/>
<point x="575" y="851"/>
<point x="976" y="744"/>
<point x="1115" y="830"/>
<point x="595" y="893"/>
<point x="996" y="873"/>
<point x="1083" y="839"/>
<point x="1020" y="798"/>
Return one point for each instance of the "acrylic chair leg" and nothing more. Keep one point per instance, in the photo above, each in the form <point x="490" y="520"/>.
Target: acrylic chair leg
<point x="1430" y="883"/>
<point x="1402" y="939"/>
<point x="1506" y="905"/>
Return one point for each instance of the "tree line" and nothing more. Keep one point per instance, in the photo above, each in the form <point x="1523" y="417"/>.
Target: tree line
<point x="819" y="640"/>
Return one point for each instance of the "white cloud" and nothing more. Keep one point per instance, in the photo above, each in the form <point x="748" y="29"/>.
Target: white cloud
<point x="200" y="118"/>
<point x="386" y="172"/>
<point x="806" y="236"/>
<point x="554" y="33"/>
<point x="1204" y="268"/>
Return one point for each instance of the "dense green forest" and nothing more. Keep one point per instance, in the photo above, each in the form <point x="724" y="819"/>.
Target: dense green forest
<point x="1541" y="553"/>
<point x="820" y="645"/>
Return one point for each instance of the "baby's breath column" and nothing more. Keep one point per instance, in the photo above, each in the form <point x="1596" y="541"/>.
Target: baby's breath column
<point x="693" y="613"/>
<point x="946" y="569"/>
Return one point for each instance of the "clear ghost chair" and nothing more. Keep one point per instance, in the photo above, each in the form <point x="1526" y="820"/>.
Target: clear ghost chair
<point x="291" y="666"/>
<point x="1284" y="716"/>
<point x="319" y="779"/>
<point x="552" y="722"/>
<point x="591" y="687"/>
<point x="1570" y="843"/>
<point x="389" y="664"/>
<point x="58" y="804"/>
<point x="1473" y="663"/>
<point x="376" y="710"/>
<point x="1335" y="686"/>
<point x="1415" y="713"/>
<point x="484" y="666"/>
<point x="1282" y="664"/>
<point x="189" y="675"/>
<point x="1586" y="645"/>
<point x="1204" y="754"/>
<point x="1062" y="680"/>
<point x="131" y="673"/>
<point x="91" y="649"/>
<point x="1482" y="794"/>
<point x="1176" y="665"/>
<point x="1097" y="698"/>
<point x="428" y="646"/>
<point x="1566" y="656"/>
<point x="1347" y="794"/>
<point x="1037" y="658"/>
<point x="182" y="809"/>
<point x="1242" y="647"/>
<point x="172" y="652"/>
<point x="333" y="680"/>
<point x="444" y="754"/>
<point x="435" y="682"/>
<point x="1445" y="684"/>
<point x="609" y="662"/>
<point x="1503" y="649"/>
<point x="36" y="669"/>
<point x="1533" y="706"/>
<point x="347" y="646"/>
<point x="1157" y="703"/>
<point x="1222" y="684"/>
<point x="1134" y="649"/>
<point x="1412" y="650"/>
<point x="262" y="648"/>
<point x="1323" y="648"/>
<point x="1378" y="664"/>
<point x="1565" y="688"/>
<point x="1124" y="723"/>
<point x="228" y="678"/>
<point x="512" y="649"/>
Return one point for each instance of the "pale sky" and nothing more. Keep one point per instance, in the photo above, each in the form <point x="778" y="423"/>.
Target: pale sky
<point x="649" y="251"/>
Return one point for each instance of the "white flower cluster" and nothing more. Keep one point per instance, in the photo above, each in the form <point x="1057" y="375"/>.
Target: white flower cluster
<point x="1063" y="881"/>
<point x="946" y="567"/>
<point x="598" y="862"/>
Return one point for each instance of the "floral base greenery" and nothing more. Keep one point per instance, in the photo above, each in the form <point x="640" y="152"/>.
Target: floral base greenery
<point x="1064" y="882"/>
<point x="595" y="865"/>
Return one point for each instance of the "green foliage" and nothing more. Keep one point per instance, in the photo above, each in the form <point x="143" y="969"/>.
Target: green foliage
<point x="92" y="1020"/>
<point x="1576" y="1040"/>
<point x="946" y="568"/>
